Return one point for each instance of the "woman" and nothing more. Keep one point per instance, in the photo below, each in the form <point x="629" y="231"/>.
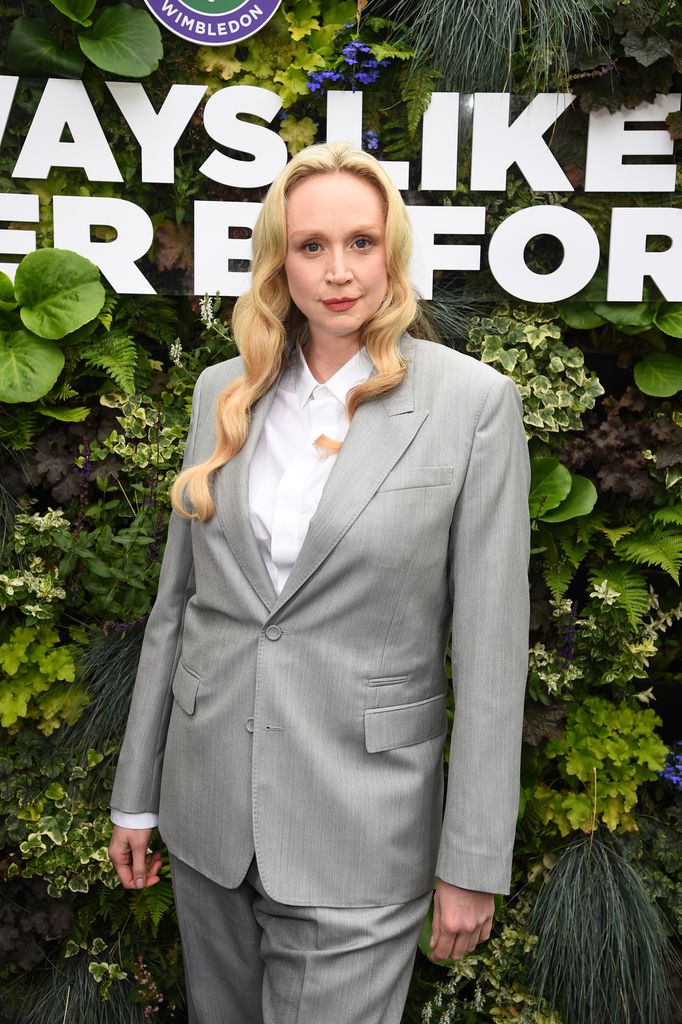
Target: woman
<point x="289" y="714"/>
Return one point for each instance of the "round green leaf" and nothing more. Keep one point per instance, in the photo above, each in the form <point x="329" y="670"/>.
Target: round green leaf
<point x="76" y="10"/>
<point x="124" y="41"/>
<point x="32" y="49"/>
<point x="669" y="319"/>
<point x="58" y="291"/>
<point x="29" y="366"/>
<point x="659" y="374"/>
<point x="7" y="299"/>
<point x="550" y="484"/>
<point x="626" y="314"/>
<point x="579" y="315"/>
<point x="580" y="500"/>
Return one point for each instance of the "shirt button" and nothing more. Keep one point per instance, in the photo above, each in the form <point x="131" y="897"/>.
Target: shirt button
<point x="249" y="724"/>
<point x="273" y="632"/>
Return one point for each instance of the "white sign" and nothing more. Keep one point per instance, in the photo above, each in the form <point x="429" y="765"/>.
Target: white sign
<point x="498" y="144"/>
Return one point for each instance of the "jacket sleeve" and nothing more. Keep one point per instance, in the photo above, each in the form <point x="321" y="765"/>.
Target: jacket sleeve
<point x="489" y="555"/>
<point x="138" y="772"/>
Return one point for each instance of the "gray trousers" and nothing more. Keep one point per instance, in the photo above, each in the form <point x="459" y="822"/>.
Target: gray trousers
<point x="251" y="960"/>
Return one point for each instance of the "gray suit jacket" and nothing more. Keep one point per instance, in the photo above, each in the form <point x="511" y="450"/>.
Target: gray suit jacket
<point x="310" y="726"/>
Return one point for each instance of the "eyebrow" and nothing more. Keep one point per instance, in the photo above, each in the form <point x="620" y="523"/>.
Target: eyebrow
<point x="363" y="229"/>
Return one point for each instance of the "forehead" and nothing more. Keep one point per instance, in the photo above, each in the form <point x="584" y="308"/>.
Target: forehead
<point x="336" y="198"/>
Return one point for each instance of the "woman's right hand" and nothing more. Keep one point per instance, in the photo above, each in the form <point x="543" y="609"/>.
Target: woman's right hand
<point x="136" y="868"/>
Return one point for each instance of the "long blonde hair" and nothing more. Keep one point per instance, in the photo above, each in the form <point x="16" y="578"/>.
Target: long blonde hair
<point x="265" y="317"/>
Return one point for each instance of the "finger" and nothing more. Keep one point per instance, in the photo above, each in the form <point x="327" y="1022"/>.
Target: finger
<point x="139" y="864"/>
<point x="474" y="939"/>
<point x="461" y="945"/>
<point x="121" y="857"/>
<point x="486" y="930"/>
<point x="443" y="949"/>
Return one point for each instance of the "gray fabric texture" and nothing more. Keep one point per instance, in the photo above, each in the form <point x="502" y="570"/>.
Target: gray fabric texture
<point x="251" y="960"/>
<point x="309" y="727"/>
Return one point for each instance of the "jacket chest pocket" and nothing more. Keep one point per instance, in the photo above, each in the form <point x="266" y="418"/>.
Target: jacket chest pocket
<point x="403" y="724"/>
<point x="417" y="476"/>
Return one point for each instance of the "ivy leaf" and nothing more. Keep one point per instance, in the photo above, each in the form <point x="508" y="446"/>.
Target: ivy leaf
<point x="123" y="41"/>
<point x="29" y="366"/>
<point x="669" y="319"/>
<point x="646" y="50"/>
<point x="76" y="10"/>
<point x="659" y="374"/>
<point x="32" y="50"/>
<point x="58" y="291"/>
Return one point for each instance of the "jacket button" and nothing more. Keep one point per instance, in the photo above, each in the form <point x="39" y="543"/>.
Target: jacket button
<point x="249" y="724"/>
<point x="273" y="632"/>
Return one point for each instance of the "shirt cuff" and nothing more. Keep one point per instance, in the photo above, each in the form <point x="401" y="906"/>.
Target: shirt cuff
<point x="143" y="819"/>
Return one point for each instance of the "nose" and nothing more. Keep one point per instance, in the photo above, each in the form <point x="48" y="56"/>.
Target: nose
<point x="338" y="270"/>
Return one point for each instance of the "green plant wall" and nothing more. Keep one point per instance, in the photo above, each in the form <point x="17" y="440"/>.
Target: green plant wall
<point x="94" y="404"/>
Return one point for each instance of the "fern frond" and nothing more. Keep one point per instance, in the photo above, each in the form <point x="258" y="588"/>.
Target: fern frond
<point x="417" y="85"/>
<point x="558" y="578"/>
<point x="117" y="355"/>
<point x="631" y="586"/>
<point x="669" y="514"/>
<point x="106" y="313"/>
<point x="660" y="549"/>
<point x="615" y="533"/>
<point x="18" y="426"/>
<point x="159" y="899"/>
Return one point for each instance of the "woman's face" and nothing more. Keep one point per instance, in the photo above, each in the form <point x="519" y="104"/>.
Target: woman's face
<point x="336" y="254"/>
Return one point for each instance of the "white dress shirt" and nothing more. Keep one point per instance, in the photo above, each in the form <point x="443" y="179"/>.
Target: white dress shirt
<point x="287" y="474"/>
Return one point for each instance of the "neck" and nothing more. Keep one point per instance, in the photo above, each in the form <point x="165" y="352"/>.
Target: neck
<point x="324" y="359"/>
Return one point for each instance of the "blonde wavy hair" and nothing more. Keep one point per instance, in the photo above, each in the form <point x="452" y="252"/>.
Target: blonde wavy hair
<point x="265" y="317"/>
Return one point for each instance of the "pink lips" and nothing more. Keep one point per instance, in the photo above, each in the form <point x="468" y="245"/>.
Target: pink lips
<point x="339" y="305"/>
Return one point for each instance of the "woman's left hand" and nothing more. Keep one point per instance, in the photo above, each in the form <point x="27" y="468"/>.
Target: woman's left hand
<point x="461" y="919"/>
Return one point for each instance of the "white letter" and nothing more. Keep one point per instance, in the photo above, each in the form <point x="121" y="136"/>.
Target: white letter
<point x="629" y="261"/>
<point x="223" y="125"/>
<point x="75" y="215"/>
<point x="497" y="144"/>
<point x="157" y="133"/>
<point x="13" y="208"/>
<point x="66" y="103"/>
<point x="214" y="249"/>
<point x="8" y="87"/>
<point x="439" y="142"/>
<point x="344" y="124"/>
<point x="581" y="253"/>
<point x="608" y="142"/>
<point x="428" y="221"/>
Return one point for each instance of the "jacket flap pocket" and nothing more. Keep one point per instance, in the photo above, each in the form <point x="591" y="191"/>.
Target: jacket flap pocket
<point x="185" y="686"/>
<point x="417" y="476"/>
<point x="403" y="724"/>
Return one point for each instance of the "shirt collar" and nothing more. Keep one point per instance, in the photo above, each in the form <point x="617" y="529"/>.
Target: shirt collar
<point x="358" y="368"/>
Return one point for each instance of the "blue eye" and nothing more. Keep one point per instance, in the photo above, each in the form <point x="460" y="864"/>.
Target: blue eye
<point x="363" y="243"/>
<point x="315" y="246"/>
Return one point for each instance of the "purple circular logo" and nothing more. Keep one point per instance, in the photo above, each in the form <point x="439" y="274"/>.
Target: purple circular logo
<point x="213" y="22"/>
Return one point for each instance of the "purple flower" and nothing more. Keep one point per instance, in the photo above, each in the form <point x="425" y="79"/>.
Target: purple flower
<point x="370" y="139"/>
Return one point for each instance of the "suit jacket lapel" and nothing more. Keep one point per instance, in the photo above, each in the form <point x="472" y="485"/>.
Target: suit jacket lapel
<point x="232" y="505"/>
<point x="379" y="433"/>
